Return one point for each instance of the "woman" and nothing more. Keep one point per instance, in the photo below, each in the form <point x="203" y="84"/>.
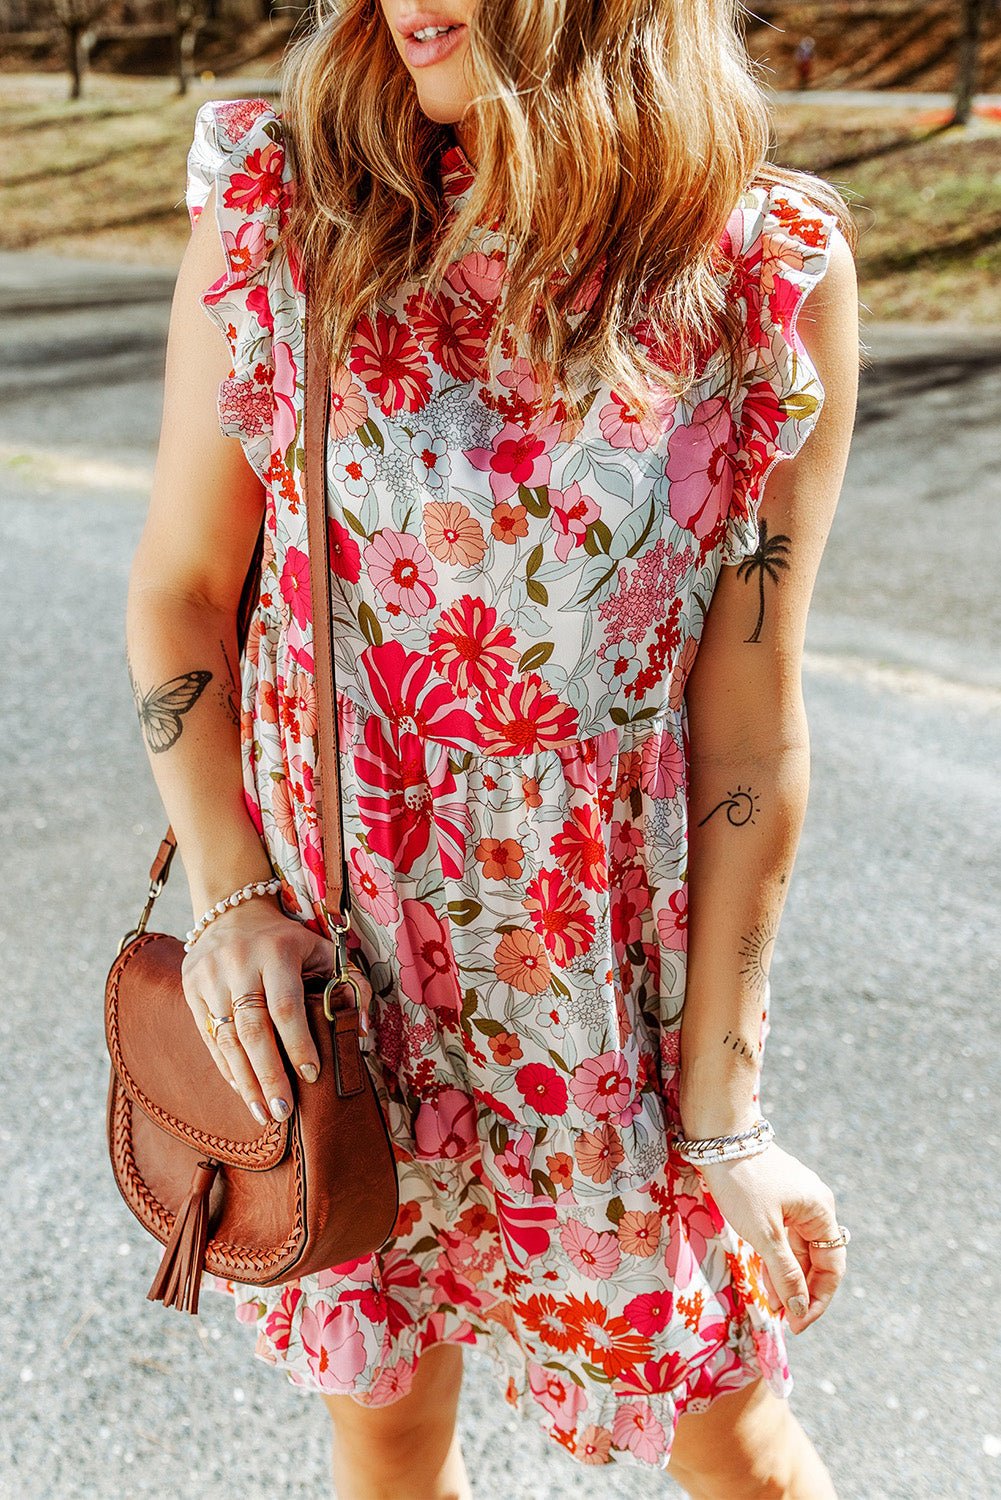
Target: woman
<point x="568" y="346"/>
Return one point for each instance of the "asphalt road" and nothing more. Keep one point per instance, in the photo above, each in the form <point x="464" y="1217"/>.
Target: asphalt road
<point x="882" y="1066"/>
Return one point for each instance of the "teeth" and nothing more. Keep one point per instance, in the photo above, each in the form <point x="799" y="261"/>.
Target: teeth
<point x="430" y="31"/>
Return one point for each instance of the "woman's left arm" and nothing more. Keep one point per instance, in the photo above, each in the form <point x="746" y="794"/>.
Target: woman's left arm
<point x="749" y="746"/>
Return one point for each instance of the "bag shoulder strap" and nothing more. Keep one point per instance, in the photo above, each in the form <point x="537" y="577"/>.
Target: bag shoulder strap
<point x="316" y="417"/>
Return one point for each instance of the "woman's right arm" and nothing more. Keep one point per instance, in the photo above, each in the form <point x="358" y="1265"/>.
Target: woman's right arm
<point x="184" y="590"/>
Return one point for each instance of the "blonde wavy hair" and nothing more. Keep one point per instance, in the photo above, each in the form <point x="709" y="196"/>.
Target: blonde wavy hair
<point x="656" y="104"/>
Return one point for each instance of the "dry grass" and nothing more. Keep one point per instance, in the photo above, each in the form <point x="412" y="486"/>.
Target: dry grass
<point x="104" y="179"/>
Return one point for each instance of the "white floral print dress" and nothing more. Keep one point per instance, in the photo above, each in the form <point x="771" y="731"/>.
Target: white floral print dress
<point x="519" y="595"/>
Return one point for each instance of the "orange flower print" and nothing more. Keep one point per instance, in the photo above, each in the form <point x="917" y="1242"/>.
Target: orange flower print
<point x="526" y="717"/>
<point x="453" y="534"/>
<point x="348" y="407"/>
<point x="560" y="1169"/>
<point x="520" y="961"/>
<point x="505" y="1047"/>
<point x="501" y="858"/>
<point x="530" y="791"/>
<point x="559" y="916"/>
<point x="599" y="1152"/>
<point x="639" y="1233"/>
<point x="510" y="522"/>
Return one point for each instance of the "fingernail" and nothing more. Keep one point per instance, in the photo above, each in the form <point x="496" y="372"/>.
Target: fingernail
<point x="280" y="1109"/>
<point x="309" y="1071"/>
<point x="234" y="1086"/>
<point x="799" y="1305"/>
<point x="257" y="1110"/>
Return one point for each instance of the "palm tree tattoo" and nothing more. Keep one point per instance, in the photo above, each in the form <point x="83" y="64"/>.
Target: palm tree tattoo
<point x="769" y="558"/>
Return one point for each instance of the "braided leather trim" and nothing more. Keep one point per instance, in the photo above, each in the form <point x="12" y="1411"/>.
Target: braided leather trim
<point x="259" y="1154"/>
<point x="222" y="1257"/>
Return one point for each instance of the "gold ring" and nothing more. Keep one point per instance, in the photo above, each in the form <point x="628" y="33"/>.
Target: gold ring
<point x="212" y="1023"/>
<point x="252" y="995"/>
<point x="844" y="1235"/>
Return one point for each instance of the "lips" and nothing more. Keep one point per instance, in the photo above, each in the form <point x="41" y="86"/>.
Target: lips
<point x="422" y="21"/>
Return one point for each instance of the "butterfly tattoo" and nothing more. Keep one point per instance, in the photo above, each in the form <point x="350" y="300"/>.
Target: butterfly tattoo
<point x="161" y="709"/>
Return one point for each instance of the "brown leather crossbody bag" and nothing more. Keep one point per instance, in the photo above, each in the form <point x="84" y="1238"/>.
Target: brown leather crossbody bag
<point x="256" y="1204"/>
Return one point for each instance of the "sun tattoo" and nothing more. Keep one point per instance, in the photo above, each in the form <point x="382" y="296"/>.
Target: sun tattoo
<point x="756" y="951"/>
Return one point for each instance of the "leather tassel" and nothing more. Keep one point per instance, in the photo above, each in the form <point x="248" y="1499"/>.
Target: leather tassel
<point x="178" y="1279"/>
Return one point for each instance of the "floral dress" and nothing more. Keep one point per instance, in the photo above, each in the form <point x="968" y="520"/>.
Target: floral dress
<point x="519" y="594"/>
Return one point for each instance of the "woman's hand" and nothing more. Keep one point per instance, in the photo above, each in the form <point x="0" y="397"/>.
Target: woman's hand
<point x="777" y="1205"/>
<point x="255" y="949"/>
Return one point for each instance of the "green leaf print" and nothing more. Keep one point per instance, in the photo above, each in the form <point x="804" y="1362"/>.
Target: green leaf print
<point x="354" y="523"/>
<point x="536" y="501"/>
<point x="537" y="591"/>
<point x="615" y="1211"/>
<point x="368" y="623"/>
<point x="535" y="658"/>
<point x="464" y="912"/>
<point x="490" y="1028"/>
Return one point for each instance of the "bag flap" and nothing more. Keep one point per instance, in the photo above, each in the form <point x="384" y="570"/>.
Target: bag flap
<point x="165" y="1066"/>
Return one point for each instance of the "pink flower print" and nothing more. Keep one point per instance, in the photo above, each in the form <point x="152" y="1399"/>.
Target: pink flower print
<point x="259" y="304"/>
<point x="683" y="664"/>
<point x="245" y="405"/>
<point x="400" y="567"/>
<point x="478" y="275"/>
<point x="543" y="1088"/>
<point x="334" y="1345"/>
<point x="515" y="1162"/>
<point x="594" y="1445"/>
<point x="521" y="377"/>
<point x="662" y="767"/>
<point x="525" y="717"/>
<point x="405" y="691"/>
<point x="515" y="457"/>
<point x="601" y="1086"/>
<point x="557" y="1394"/>
<point x="278" y="1324"/>
<point x="672" y="920"/>
<point x="236" y="117"/>
<point x="687" y="1243"/>
<point x="391" y="1383"/>
<point x="285" y="423"/>
<point x="630" y="899"/>
<point x="446" y="1126"/>
<point x="595" y="1255"/>
<point x="650" y="1312"/>
<point x="700" y="466"/>
<point x="372" y="888"/>
<point x="294" y="586"/>
<point x="246" y="249"/>
<point x="770" y="1354"/>
<point x="571" y="514"/>
<point x="622" y="427"/>
<point x="428" y="971"/>
<point x="348" y="406"/>
<point x="406" y="797"/>
<point x="638" y="1431"/>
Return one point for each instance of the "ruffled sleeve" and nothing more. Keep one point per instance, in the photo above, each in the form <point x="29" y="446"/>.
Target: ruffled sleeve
<point x="785" y="252"/>
<point x="238" y="149"/>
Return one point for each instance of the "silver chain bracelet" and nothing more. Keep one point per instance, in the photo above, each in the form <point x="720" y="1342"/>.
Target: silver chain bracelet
<point x="725" y="1147"/>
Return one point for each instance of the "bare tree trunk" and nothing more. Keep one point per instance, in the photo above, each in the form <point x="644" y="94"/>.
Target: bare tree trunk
<point x="75" y="60"/>
<point x="969" y="51"/>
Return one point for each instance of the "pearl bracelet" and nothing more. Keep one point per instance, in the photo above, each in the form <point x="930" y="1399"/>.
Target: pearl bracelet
<point x="256" y="888"/>
<point x="726" y="1147"/>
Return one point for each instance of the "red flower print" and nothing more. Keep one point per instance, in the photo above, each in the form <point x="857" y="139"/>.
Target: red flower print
<point x="446" y="1126"/>
<point x="471" y="649"/>
<point x="520" y="961"/>
<point x="405" y="796"/>
<point x="260" y="184"/>
<point x="525" y="1231"/>
<point x="525" y="718"/>
<point x="762" y="413"/>
<point x="515" y="457"/>
<point x="400" y="567"/>
<point x="662" y="765"/>
<point x="630" y="899"/>
<point x="278" y="1325"/>
<point x="650" y="1312"/>
<point x="404" y="689"/>
<point x="428" y="971"/>
<point x="601" y="1085"/>
<point x="543" y="1088"/>
<point x="294" y="585"/>
<point x="580" y="849"/>
<point x="345" y="557"/>
<point x="657" y="1376"/>
<point x="454" y="336"/>
<point x="559" y="916"/>
<point x="478" y="275"/>
<point x="390" y="363"/>
<point x="399" y="1275"/>
<point x="608" y="1340"/>
<point x="547" y="1317"/>
<point x="334" y="1345"/>
<point x="700" y="466"/>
